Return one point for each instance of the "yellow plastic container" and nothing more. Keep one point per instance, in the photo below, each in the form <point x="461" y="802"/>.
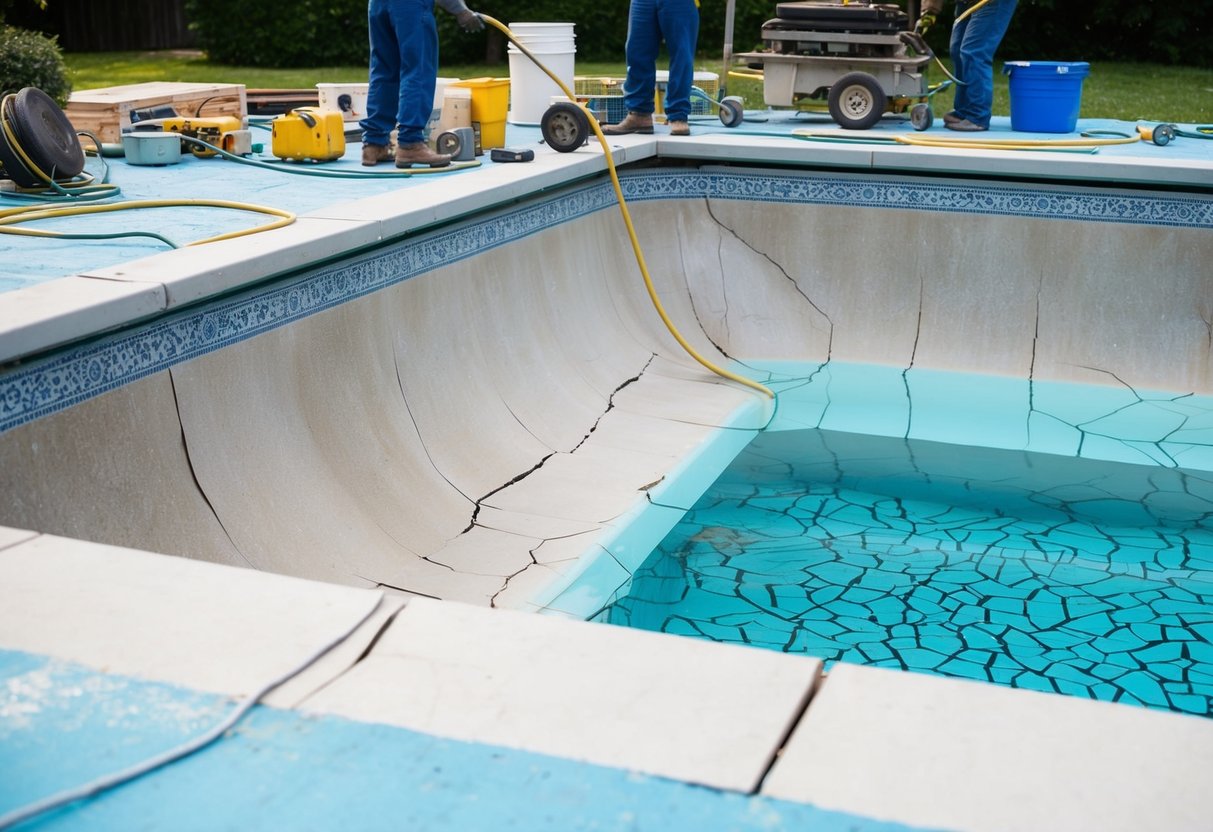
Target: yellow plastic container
<point x="309" y="133"/>
<point x="490" y="105"/>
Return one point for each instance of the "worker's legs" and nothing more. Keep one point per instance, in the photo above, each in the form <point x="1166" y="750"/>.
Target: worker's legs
<point x="383" y="93"/>
<point x="679" y="21"/>
<point x="417" y="34"/>
<point x="974" y="42"/>
<point x="644" y="40"/>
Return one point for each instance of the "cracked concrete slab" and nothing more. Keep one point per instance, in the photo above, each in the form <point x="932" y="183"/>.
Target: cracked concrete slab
<point x="205" y="626"/>
<point x="942" y="753"/>
<point x="645" y="702"/>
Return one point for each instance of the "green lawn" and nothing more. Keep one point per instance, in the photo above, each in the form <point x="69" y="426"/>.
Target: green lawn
<point x="1147" y="92"/>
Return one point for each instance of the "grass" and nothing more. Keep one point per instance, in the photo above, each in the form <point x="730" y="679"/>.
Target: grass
<point x="1128" y="91"/>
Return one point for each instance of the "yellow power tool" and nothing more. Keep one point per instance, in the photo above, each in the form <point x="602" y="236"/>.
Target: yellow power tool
<point x="225" y="132"/>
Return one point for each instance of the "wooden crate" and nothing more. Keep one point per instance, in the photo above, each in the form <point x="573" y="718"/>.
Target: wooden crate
<point x="106" y="111"/>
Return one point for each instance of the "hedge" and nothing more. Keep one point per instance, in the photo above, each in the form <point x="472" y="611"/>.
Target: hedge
<point x="334" y="32"/>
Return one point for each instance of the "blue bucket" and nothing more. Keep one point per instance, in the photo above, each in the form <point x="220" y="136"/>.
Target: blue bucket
<point x="1045" y="95"/>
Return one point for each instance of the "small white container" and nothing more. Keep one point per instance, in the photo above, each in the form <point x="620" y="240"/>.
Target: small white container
<point x="151" y="148"/>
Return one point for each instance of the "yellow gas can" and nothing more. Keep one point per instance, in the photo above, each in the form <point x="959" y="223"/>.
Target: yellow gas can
<point x="309" y="133"/>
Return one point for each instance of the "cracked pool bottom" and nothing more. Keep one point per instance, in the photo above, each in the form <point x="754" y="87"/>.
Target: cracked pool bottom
<point x="1087" y="578"/>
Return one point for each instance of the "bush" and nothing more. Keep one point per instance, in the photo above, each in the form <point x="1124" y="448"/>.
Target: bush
<point x="28" y="59"/>
<point x="317" y="33"/>
<point x="312" y="33"/>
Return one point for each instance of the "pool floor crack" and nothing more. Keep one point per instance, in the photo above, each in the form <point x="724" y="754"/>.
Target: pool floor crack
<point x="611" y="400"/>
<point x="610" y="404"/>
<point x="506" y="584"/>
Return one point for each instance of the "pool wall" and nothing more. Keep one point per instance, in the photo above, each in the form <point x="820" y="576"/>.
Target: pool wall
<point x="464" y="414"/>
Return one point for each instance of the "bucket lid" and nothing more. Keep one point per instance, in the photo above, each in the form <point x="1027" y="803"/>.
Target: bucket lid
<point x="1043" y="68"/>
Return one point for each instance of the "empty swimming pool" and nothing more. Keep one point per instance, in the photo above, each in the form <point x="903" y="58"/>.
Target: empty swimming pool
<point x="1088" y="577"/>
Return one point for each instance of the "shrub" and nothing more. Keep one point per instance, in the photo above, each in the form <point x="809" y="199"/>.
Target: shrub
<point x="313" y="33"/>
<point x="29" y="59"/>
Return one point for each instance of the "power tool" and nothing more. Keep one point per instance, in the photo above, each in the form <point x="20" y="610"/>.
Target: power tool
<point x="221" y="131"/>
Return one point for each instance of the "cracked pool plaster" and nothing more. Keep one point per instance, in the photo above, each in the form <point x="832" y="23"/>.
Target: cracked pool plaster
<point x="1077" y="576"/>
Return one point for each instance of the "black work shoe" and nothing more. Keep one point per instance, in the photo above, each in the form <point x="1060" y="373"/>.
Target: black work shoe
<point x="951" y="117"/>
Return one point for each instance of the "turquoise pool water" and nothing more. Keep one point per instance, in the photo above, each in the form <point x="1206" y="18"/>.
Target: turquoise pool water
<point x="1087" y="577"/>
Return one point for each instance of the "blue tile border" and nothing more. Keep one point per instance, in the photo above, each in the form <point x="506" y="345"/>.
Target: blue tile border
<point x="31" y="391"/>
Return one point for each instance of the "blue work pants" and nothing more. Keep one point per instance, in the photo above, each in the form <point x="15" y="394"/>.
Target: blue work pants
<point x="974" y="41"/>
<point x="649" y="22"/>
<point x="404" y="70"/>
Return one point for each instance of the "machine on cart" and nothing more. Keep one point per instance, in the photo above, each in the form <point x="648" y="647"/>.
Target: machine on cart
<point x="860" y="57"/>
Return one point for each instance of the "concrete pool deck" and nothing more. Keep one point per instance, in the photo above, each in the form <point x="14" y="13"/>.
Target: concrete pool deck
<point x="468" y="381"/>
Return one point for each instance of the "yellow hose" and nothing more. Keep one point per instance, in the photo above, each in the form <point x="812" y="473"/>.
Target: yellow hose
<point x="29" y="213"/>
<point x="627" y="221"/>
<point x="966" y="143"/>
<point x="13" y="216"/>
<point x="969" y="11"/>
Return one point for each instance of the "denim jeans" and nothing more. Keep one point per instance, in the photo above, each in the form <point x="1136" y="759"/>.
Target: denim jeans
<point x="974" y="41"/>
<point x="404" y="70"/>
<point x="650" y="21"/>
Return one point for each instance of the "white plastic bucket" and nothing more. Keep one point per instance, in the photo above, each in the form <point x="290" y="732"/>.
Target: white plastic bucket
<point x="531" y="89"/>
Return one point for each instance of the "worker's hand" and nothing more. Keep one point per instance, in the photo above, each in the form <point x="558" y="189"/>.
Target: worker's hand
<point x="925" y="22"/>
<point x="470" y="21"/>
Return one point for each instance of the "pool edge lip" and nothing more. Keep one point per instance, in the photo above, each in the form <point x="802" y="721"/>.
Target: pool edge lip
<point x="509" y="183"/>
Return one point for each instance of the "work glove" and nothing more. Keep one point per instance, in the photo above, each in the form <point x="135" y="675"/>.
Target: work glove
<point x="469" y="21"/>
<point x="925" y="22"/>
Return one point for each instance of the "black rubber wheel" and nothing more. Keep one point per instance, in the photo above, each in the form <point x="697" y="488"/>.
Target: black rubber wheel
<point x="565" y="126"/>
<point x="45" y="134"/>
<point x="857" y="101"/>
<point x="1163" y="134"/>
<point x="732" y="111"/>
<point x="921" y="117"/>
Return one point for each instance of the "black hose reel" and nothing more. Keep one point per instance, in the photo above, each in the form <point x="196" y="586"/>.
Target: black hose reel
<point x="38" y="144"/>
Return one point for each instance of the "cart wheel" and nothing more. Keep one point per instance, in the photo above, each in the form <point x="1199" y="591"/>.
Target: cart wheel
<point x="857" y="101"/>
<point x="1163" y="134"/>
<point x="732" y="111"/>
<point x="921" y="117"/>
<point x="565" y="127"/>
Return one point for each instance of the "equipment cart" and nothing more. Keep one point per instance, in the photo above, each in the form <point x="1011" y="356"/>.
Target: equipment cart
<point x="859" y="57"/>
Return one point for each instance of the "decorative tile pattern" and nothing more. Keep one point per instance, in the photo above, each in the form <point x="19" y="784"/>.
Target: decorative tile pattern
<point x="30" y="391"/>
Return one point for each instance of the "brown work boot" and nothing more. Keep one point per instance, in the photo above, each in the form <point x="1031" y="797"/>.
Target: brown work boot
<point x="373" y="154"/>
<point x="680" y="128"/>
<point x="419" y="153"/>
<point x="634" y="123"/>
